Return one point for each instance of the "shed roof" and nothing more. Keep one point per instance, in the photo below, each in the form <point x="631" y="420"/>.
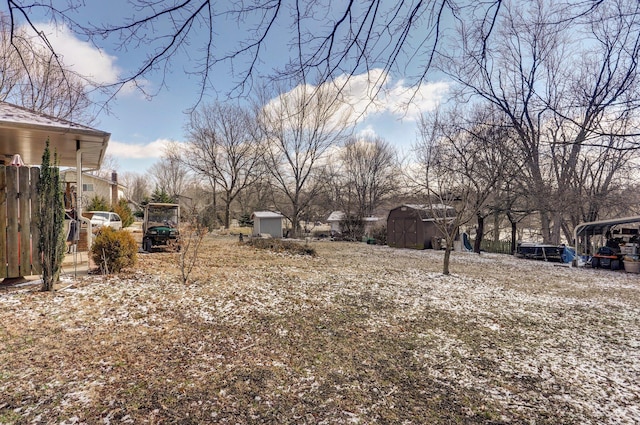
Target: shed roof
<point x="25" y="132"/>
<point x="335" y="216"/>
<point x="267" y="214"/>
<point x="426" y="212"/>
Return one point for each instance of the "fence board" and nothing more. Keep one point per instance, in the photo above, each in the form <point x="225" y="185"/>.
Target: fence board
<point x="13" y="241"/>
<point x="3" y="223"/>
<point x="36" y="263"/>
<point x="24" y="201"/>
<point x="18" y="224"/>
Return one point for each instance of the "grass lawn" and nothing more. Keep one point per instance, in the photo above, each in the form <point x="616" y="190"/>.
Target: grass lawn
<point x="357" y="334"/>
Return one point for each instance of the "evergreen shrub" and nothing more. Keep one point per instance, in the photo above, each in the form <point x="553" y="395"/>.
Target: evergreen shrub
<point x="114" y="250"/>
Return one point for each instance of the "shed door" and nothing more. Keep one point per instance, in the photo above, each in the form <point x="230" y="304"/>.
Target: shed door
<point x="406" y="232"/>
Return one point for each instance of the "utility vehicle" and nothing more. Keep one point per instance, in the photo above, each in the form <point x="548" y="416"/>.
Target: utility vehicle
<point x="160" y="226"/>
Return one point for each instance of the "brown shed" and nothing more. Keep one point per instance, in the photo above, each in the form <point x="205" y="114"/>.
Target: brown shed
<point x="414" y="226"/>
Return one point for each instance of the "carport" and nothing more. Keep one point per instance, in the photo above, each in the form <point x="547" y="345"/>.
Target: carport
<point x="593" y="228"/>
<point x="25" y="132"/>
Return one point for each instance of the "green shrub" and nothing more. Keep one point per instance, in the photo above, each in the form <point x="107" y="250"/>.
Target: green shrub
<point x="245" y="220"/>
<point x="97" y="203"/>
<point x="279" y="245"/>
<point x="379" y="233"/>
<point x="114" y="250"/>
<point x="123" y="210"/>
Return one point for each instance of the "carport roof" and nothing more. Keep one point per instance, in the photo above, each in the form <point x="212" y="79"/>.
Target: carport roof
<point x="603" y="225"/>
<point x="25" y="132"/>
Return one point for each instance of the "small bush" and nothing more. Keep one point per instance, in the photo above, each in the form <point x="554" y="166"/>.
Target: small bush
<point x="123" y="210"/>
<point x="279" y="245"/>
<point x="114" y="250"/>
<point x="379" y="233"/>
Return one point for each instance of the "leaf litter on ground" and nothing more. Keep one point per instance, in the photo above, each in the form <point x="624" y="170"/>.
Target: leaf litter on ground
<point x="355" y="334"/>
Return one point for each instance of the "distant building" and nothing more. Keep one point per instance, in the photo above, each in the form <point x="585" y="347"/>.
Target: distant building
<point x="267" y="223"/>
<point x="336" y="218"/>
<point x="92" y="186"/>
<point x="417" y="226"/>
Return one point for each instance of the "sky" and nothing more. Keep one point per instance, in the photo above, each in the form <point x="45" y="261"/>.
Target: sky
<point x="141" y="126"/>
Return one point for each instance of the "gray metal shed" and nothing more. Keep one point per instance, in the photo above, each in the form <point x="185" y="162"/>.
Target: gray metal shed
<point x="267" y="223"/>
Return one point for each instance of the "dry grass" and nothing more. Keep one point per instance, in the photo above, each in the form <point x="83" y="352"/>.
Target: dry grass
<point x="357" y="334"/>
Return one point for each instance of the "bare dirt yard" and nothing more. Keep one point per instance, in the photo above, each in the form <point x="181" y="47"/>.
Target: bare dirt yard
<point x="358" y="334"/>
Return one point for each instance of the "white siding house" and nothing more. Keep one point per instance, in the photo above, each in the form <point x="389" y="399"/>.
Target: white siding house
<point x="92" y="186"/>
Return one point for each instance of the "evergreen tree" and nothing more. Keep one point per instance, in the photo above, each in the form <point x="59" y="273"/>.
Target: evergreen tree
<point x="50" y="220"/>
<point x="160" y="196"/>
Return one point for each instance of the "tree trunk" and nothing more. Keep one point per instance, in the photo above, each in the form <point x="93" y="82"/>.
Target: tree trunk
<point x="227" y="211"/>
<point x="447" y="258"/>
<point x="514" y="231"/>
<point x="496" y="226"/>
<point x="479" y="233"/>
<point x="545" y="223"/>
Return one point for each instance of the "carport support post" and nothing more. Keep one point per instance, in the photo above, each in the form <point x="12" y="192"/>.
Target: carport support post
<point x="79" y="192"/>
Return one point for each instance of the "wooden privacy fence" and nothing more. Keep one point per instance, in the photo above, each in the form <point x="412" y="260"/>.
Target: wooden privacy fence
<point x="18" y="206"/>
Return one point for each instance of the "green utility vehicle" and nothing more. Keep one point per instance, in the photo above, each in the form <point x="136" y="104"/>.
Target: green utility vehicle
<point x="160" y="227"/>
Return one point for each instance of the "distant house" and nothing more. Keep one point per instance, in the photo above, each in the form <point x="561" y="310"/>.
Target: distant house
<point x="335" y="220"/>
<point x="416" y="226"/>
<point x="267" y="223"/>
<point x="92" y="186"/>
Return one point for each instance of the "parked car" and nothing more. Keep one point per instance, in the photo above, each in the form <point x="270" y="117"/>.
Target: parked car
<point x="105" y="218"/>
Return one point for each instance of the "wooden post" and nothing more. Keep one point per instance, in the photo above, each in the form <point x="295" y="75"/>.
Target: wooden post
<point x="3" y="222"/>
<point x="36" y="263"/>
<point x="13" y="240"/>
<point x="24" y="198"/>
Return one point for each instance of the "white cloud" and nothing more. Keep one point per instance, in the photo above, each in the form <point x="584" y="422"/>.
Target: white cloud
<point x="367" y="133"/>
<point x="82" y="57"/>
<point x="374" y="92"/>
<point x="411" y="102"/>
<point x="153" y="149"/>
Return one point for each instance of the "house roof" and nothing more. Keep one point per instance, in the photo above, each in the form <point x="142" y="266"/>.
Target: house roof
<point x="266" y="214"/>
<point x="85" y="176"/>
<point x="25" y="132"/>
<point x="340" y="215"/>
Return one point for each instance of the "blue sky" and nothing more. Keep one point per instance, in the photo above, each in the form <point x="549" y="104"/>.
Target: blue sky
<point x="140" y="126"/>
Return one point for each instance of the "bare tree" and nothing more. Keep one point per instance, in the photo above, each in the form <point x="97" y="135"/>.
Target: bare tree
<point x="31" y="77"/>
<point x="370" y="168"/>
<point x="445" y="192"/>
<point x="136" y="187"/>
<point x="476" y="146"/>
<point x="224" y="148"/>
<point x="298" y="128"/>
<point x="361" y="175"/>
<point x="357" y="36"/>
<point x="108" y="166"/>
<point x="555" y="89"/>
<point x="326" y="40"/>
<point x="170" y="174"/>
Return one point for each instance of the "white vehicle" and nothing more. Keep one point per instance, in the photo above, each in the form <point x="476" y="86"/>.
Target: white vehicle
<point x="105" y="218"/>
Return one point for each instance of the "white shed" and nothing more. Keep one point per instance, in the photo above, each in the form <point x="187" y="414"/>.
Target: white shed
<point x="267" y="223"/>
<point x="334" y="220"/>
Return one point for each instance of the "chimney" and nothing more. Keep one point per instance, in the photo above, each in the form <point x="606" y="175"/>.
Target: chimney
<point x="114" y="189"/>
